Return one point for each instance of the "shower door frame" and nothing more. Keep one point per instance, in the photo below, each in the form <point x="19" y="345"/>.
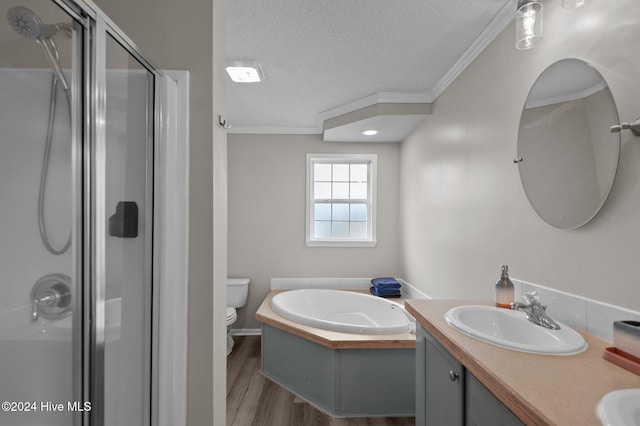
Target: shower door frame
<point x="89" y="177"/>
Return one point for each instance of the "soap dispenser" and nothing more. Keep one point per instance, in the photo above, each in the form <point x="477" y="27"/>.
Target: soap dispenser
<point x="504" y="289"/>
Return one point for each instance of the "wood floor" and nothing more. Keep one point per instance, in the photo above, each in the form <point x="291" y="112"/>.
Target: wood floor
<point x="253" y="400"/>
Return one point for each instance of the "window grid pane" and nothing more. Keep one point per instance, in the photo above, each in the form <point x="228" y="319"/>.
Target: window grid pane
<point x="336" y="186"/>
<point x="322" y="190"/>
<point x="358" y="173"/>
<point x="340" y="212"/>
<point x="322" y="172"/>
<point x="322" y="211"/>
<point x="358" y="230"/>
<point x="340" y="173"/>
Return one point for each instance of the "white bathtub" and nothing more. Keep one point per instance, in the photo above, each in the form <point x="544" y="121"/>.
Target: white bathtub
<point x="344" y="311"/>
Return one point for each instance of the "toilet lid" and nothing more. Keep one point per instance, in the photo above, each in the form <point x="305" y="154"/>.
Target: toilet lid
<point x="231" y="315"/>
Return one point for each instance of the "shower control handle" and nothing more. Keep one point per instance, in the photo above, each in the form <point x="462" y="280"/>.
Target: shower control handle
<point x="49" y="298"/>
<point x="634" y="127"/>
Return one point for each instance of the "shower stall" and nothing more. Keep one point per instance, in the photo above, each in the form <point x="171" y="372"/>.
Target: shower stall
<point x="79" y="128"/>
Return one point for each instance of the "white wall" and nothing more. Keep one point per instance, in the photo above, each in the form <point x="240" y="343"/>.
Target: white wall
<point x="464" y="212"/>
<point x="267" y="215"/>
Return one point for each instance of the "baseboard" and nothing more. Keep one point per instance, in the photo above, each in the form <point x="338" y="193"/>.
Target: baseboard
<point x="410" y="292"/>
<point x="245" y="332"/>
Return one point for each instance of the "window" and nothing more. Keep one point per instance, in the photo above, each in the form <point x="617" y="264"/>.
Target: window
<point x="341" y="192"/>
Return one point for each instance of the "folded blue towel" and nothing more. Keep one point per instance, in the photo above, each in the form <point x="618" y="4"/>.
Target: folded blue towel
<point x="385" y="283"/>
<point x="384" y="293"/>
<point x="387" y="286"/>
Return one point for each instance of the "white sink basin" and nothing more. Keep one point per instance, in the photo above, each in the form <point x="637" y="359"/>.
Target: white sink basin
<point x="512" y="330"/>
<point x="620" y="408"/>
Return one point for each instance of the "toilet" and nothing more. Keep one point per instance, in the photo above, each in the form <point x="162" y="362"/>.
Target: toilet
<point x="237" y="292"/>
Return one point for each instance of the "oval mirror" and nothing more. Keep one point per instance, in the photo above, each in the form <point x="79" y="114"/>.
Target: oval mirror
<point x="567" y="157"/>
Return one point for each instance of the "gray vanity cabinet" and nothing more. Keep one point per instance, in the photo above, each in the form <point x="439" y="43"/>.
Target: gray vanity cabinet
<point x="440" y="384"/>
<point x="448" y="394"/>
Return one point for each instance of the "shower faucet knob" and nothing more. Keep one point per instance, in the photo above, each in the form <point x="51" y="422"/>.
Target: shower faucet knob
<point x="634" y="127"/>
<point x="51" y="297"/>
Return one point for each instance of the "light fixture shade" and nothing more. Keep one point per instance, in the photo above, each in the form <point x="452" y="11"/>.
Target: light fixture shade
<point x="574" y="4"/>
<point x="245" y="72"/>
<point x="528" y="24"/>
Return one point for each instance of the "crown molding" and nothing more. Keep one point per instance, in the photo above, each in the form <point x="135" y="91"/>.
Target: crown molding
<point x="282" y="130"/>
<point x="499" y="22"/>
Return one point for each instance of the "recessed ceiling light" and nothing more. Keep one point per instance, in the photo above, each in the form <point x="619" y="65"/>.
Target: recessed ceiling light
<point x="370" y="132"/>
<point x="245" y="72"/>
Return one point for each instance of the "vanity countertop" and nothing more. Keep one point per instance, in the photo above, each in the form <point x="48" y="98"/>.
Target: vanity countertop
<point x="539" y="389"/>
<point x="333" y="339"/>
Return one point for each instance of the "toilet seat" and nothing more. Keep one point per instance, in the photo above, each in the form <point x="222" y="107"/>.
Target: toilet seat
<point x="231" y="315"/>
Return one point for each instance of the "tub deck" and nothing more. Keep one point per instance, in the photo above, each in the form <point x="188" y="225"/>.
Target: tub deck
<point x="334" y="339"/>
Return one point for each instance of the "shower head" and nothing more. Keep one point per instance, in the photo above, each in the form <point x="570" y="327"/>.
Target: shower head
<point x="28" y="24"/>
<point x="25" y="22"/>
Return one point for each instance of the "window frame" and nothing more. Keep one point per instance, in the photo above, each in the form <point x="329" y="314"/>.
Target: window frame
<point x="371" y="160"/>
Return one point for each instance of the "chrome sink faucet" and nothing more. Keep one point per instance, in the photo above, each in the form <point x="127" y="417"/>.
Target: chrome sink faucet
<point x="535" y="311"/>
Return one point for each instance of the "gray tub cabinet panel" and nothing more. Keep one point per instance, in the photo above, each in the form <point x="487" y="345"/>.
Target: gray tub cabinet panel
<point x="377" y="381"/>
<point x="303" y="367"/>
<point x="448" y="394"/>
<point x="341" y="382"/>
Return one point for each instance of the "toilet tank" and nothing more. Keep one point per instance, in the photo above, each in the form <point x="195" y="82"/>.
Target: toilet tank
<point x="237" y="292"/>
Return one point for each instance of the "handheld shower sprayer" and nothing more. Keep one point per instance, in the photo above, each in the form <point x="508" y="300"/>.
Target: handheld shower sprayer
<point x="26" y="23"/>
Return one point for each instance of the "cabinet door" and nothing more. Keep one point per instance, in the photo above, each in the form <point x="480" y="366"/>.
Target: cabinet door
<point x="421" y="376"/>
<point x="444" y="386"/>
<point x="483" y="408"/>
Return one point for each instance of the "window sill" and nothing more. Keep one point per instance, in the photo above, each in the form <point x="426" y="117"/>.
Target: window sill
<point x="341" y="243"/>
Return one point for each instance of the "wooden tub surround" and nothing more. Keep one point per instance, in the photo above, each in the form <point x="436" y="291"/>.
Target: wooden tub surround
<point x="538" y="389"/>
<point x="341" y="374"/>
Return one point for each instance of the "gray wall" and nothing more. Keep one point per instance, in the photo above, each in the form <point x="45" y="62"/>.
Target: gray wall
<point x="189" y="35"/>
<point x="267" y="175"/>
<point x="464" y="212"/>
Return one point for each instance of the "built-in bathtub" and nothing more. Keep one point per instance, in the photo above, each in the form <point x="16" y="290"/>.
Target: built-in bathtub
<point x="344" y="374"/>
<point x="346" y="311"/>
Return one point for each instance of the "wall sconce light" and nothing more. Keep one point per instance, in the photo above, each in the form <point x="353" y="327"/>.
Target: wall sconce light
<point x="574" y="4"/>
<point x="528" y="23"/>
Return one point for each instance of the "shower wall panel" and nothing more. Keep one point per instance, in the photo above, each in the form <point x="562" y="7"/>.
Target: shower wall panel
<point x="36" y="356"/>
<point x="24" y="110"/>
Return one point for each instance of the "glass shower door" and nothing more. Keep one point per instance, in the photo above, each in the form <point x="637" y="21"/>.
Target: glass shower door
<point x="77" y="128"/>
<point x="41" y="96"/>
<point x="128" y="190"/>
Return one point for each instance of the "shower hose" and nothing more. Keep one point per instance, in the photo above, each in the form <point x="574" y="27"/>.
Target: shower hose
<point x="45" y="168"/>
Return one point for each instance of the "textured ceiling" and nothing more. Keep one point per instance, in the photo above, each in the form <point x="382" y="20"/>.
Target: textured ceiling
<point x="319" y="56"/>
